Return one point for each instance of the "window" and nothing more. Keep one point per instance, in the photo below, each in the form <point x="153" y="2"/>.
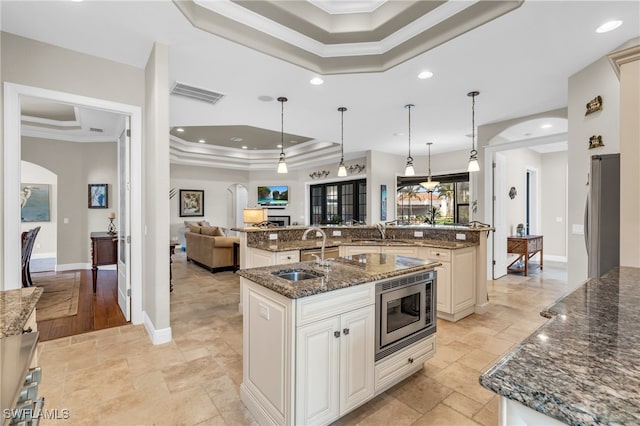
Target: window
<point x="338" y="202"/>
<point x="448" y="204"/>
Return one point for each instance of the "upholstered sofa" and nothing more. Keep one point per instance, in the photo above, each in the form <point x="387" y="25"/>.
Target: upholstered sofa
<point x="209" y="247"/>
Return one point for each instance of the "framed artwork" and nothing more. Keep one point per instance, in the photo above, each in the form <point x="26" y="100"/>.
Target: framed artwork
<point x="34" y="202"/>
<point x="191" y="202"/>
<point x="98" y="195"/>
<point x="383" y="202"/>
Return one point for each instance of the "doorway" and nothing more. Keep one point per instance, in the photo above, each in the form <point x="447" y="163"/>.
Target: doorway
<point x="12" y="172"/>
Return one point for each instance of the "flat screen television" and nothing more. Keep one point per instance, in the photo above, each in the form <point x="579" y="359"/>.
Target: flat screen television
<point x="276" y="195"/>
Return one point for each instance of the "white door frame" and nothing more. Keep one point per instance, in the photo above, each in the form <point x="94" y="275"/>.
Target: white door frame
<point x="11" y="163"/>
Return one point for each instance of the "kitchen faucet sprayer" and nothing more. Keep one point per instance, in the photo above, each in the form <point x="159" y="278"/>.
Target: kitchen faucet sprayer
<point x="321" y="262"/>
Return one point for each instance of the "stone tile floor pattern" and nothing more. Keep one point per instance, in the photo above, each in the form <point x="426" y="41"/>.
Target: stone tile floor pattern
<point x="117" y="377"/>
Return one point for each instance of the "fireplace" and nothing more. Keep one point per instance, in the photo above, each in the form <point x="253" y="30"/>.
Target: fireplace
<point x="280" y="220"/>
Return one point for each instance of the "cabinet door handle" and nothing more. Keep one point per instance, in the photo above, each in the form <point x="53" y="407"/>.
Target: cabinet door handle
<point x="410" y="360"/>
<point x="345" y="331"/>
<point x="336" y="334"/>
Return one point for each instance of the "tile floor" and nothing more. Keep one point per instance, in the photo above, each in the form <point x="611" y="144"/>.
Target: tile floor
<point x="117" y="377"/>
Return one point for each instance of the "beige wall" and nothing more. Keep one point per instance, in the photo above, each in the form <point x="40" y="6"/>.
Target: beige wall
<point x="77" y="165"/>
<point x="553" y="191"/>
<point x="214" y="182"/>
<point x="595" y="79"/>
<point x="46" y="240"/>
<point x="518" y="162"/>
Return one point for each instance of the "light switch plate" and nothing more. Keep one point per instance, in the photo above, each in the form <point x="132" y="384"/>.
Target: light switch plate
<point x="418" y="234"/>
<point x="336" y="233"/>
<point x="318" y="234"/>
<point x="461" y="237"/>
<point x="577" y="229"/>
<point x="273" y="236"/>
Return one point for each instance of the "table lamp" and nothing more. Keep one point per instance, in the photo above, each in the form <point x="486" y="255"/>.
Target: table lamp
<point x="254" y="216"/>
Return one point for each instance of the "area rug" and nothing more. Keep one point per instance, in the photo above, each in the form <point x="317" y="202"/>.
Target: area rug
<point x="60" y="296"/>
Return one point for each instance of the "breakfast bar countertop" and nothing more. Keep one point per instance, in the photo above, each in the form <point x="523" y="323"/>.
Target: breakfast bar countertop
<point x="16" y="307"/>
<point x="581" y="367"/>
<point x="342" y="272"/>
<point x="276" y="245"/>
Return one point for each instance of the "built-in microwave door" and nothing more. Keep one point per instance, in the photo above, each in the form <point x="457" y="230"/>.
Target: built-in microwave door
<point x="402" y="313"/>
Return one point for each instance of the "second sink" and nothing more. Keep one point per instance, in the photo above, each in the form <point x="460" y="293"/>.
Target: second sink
<point x="297" y="274"/>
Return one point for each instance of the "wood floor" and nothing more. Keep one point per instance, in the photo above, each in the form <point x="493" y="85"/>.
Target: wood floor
<point x="95" y="311"/>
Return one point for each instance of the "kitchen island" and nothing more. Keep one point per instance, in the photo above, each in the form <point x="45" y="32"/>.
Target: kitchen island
<point x="310" y="346"/>
<point x="581" y="367"/>
<point x="461" y="250"/>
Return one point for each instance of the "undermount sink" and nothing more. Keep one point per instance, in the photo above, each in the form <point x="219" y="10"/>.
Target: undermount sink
<point x="297" y="274"/>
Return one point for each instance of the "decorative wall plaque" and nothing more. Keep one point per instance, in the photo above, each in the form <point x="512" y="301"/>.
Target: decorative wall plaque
<point x="594" y="105"/>
<point x="595" y="141"/>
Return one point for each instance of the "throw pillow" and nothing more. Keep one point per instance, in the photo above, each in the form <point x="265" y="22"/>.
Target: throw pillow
<point x="194" y="228"/>
<point x="204" y="223"/>
<point x="209" y="230"/>
<point x="191" y="222"/>
<point x="219" y="232"/>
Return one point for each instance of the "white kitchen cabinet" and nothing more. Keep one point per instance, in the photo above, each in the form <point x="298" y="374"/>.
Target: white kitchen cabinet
<point x="456" y="291"/>
<point x="409" y="251"/>
<point x="259" y="257"/>
<point x="309" y="360"/>
<point x="335" y="370"/>
<point x="352" y="250"/>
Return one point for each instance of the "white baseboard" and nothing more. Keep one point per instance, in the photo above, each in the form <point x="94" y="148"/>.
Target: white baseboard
<point x="43" y="255"/>
<point x="482" y="309"/>
<point x="553" y="258"/>
<point x="158" y="337"/>
<point x="72" y="266"/>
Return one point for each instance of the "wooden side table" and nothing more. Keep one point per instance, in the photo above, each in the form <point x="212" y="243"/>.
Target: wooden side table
<point x="236" y="256"/>
<point x="104" y="251"/>
<point x="525" y="247"/>
<point x="172" y="246"/>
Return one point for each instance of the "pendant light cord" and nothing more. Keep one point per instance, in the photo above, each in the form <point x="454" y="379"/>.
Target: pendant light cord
<point x="473" y="123"/>
<point x="342" y="110"/>
<point x="282" y="100"/>
<point x="409" y="106"/>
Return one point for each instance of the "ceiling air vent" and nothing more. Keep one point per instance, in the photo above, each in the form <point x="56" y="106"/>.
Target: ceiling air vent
<point x="198" y="93"/>
<point x="95" y="129"/>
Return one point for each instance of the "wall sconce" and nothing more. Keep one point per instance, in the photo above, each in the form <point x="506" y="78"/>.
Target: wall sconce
<point x="319" y="174"/>
<point x="255" y="215"/>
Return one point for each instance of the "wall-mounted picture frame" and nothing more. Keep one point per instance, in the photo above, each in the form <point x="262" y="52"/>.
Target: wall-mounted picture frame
<point x="98" y="196"/>
<point x="191" y="202"/>
<point x="34" y="202"/>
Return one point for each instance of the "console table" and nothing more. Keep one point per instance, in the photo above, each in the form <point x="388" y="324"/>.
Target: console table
<point x="104" y="251"/>
<point x="525" y="247"/>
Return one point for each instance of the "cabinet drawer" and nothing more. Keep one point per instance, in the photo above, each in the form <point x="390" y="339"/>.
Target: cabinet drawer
<point x="400" y="365"/>
<point x="440" y="254"/>
<point x="325" y="305"/>
<point x="284" y="257"/>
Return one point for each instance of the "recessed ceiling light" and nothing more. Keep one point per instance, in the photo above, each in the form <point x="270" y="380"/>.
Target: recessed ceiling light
<point x="244" y="147"/>
<point x="608" y="26"/>
<point x="316" y="81"/>
<point x="546" y="126"/>
<point x="293" y="141"/>
<point x="236" y="139"/>
<point x="201" y="141"/>
<point x="76" y="1"/>
<point x="265" y="98"/>
<point x="180" y="129"/>
<point x="425" y="74"/>
<point x="527" y="134"/>
<point x="398" y="134"/>
<point x="278" y="146"/>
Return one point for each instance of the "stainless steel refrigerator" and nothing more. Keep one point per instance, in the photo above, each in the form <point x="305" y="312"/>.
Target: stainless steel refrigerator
<point x="602" y="214"/>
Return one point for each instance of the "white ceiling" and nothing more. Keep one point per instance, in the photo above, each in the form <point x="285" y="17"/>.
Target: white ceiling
<point x="520" y="63"/>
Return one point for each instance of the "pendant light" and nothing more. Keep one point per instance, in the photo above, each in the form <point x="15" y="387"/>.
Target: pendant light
<point x="429" y="185"/>
<point x="473" y="158"/>
<point x="342" y="170"/>
<point x="282" y="166"/>
<point x="408" y="169"/>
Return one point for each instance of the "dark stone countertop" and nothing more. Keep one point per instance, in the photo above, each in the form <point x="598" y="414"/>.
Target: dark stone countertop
<point x="277" y="245"/>
<point x="582" y="366"/>
<point x="15" y="308"/>
<point x="343" y="272"/>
